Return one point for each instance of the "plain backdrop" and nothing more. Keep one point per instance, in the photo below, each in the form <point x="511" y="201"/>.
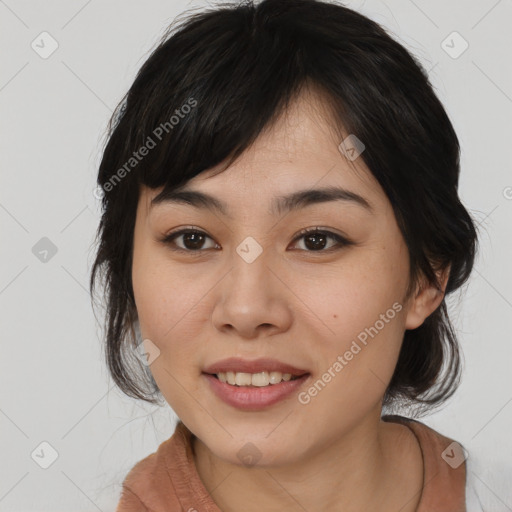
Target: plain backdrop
<point x="54" y="386"/>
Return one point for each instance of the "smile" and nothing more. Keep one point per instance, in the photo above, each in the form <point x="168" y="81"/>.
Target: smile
<point x="254" y="398"/>
<point x="260" y="379"/>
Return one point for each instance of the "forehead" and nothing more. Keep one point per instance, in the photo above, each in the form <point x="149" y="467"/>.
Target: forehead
<point x="300" y="150"/>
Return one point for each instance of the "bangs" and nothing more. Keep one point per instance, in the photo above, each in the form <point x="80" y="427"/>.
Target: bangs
<point x="195" y="109"/>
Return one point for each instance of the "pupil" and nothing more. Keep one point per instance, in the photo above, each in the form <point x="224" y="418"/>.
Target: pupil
<point x="315" y="245"/>
<point x="197" y="239"/>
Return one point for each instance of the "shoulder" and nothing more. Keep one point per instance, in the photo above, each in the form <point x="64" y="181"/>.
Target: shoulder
<point x="488" y="477"/>
<point x="444" y="472"/>
<point x="151" y="466"/>
<point x="148" y="486"/>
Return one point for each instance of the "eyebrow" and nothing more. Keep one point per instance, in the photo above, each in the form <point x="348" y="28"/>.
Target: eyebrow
<point x="280" y="204"/>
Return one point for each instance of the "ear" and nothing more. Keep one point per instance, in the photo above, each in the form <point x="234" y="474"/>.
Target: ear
<point x="426" y="300"/>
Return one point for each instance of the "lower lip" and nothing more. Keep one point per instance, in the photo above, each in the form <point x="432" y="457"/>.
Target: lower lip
<point x="253" y="398"/>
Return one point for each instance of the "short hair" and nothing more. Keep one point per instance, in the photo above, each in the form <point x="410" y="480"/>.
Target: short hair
<point x="237" y="67"/>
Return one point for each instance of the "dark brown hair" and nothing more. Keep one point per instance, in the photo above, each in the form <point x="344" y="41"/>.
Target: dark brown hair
<point x="237" y="67"/>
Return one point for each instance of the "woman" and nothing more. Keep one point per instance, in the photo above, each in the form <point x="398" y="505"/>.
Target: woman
<point x="281" y="226"/>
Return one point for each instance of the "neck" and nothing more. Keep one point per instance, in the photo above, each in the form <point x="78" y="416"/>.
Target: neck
<point x="375" y="466"/>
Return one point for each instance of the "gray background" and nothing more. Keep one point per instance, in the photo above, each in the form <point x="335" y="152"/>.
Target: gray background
<point x="54" y="110"/>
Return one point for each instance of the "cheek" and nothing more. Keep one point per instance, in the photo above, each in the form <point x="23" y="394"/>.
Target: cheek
<point x="168" y="307"/>
<point x="362" y="307"/>
<point x="355" y="364"/>
<point x="172" y="309"/>
<point x="156" y="287"/>
<point x="354" y="296"/>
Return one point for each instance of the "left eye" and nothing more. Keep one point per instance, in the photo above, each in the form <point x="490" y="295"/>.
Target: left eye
<point x="315" y="240"/>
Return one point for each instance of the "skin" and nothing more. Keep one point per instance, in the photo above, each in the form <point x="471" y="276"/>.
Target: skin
<point x="292" y="303"/>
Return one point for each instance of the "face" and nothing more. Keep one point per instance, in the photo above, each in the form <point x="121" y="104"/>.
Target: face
<point x="250" y="285"/>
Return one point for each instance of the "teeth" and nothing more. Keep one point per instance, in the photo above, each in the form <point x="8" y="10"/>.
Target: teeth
<point x="253" y="379"/>
<point x="243" y="379"/>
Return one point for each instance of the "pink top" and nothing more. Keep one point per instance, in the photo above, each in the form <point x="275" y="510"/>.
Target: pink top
<point x="167" y="480"/>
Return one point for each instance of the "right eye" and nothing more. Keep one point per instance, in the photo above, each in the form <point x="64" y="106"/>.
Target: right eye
<point x="192" y="240"/>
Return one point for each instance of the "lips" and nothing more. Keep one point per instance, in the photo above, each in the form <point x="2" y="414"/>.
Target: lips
<point x="238" y="365"/>
<point x="250" y="398"/>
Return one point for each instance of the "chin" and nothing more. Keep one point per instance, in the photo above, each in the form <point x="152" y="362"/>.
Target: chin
<point x="256" y="452"/>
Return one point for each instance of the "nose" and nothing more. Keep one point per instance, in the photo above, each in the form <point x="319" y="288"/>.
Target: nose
<point x="253" y="300"/>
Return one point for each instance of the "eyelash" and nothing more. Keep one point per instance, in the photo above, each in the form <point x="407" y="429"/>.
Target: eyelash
<point x="341" y="241"/>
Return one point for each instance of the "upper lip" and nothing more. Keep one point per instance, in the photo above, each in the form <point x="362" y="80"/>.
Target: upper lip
<point x="236" y="364"/>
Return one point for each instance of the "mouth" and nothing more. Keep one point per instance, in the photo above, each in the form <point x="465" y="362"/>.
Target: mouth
<point x="259" y="372"/>
<point x="253" y="385"/>
<point x="260" y="379"/>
